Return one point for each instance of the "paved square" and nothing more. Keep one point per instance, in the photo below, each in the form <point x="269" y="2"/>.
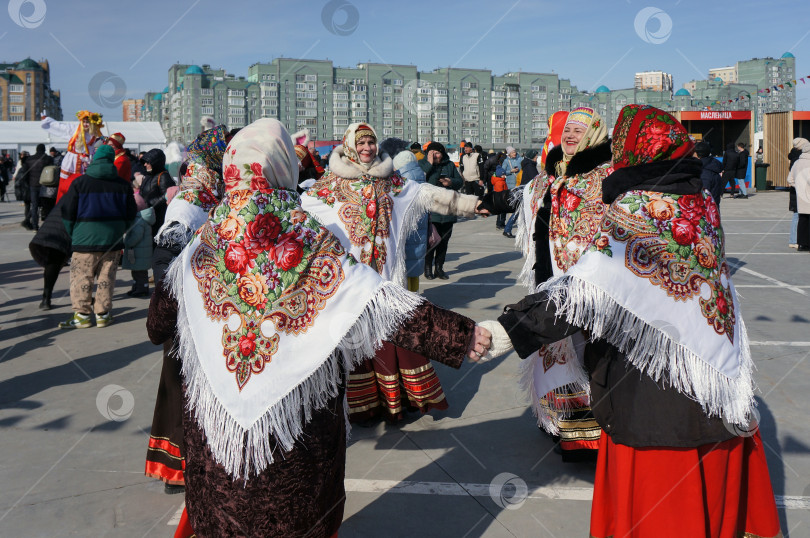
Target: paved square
<point x="76" y="406"/>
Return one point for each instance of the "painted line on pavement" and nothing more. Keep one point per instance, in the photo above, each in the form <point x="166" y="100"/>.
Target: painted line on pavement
<point x="756" y="233"/>
<point x="175" y="519"/>
<point x="765" y="286"/>
<point x="769" y="279"/>
<point x="356" y="485"/>
<point x="778" y="343"/>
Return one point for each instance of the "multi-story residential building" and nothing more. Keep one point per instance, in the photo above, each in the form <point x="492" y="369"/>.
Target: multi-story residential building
<point x="132" y="109"/>
<point x="746" y="78"/>
<point x="727" y="74"/>
<point x="766" y="73"/>
<point x="653" y="80"/>
<point x="446" y="105"/>
<point x="25" y="91"/>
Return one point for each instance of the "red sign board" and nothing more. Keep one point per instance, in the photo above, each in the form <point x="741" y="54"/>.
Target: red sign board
<point x="716" y="115"/>
<point x="801" y="115"/>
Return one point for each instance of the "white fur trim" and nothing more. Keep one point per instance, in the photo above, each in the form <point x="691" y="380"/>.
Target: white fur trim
<point x="449" y="202"/>
<point x="341" y="166"/>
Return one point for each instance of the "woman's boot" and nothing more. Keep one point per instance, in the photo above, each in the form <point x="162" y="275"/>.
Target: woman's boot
<point x="429" y="271"/>
<point x="46" y="300"/>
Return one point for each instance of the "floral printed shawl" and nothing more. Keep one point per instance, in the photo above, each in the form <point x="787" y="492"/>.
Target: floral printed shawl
<point x="201" y="188"/>
<point x="272" y="309"/>
<point x="653" y="279"/>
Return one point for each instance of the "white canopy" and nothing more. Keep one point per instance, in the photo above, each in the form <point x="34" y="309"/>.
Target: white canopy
<point x="25" y="135"/>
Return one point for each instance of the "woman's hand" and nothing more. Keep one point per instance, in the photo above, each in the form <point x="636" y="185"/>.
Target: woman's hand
<point x="480" y="211"/>
<point x="479" y="344"/>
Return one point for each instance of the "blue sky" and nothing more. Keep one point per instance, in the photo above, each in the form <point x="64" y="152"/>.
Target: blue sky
<point x="594" y="43"/>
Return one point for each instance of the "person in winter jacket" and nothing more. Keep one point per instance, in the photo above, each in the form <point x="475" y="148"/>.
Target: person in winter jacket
<point x="492" y="161"/>
<point x="416" y="244"/>
<point x="155" y="184"/>
<point x="33" y="168"/>
<point x="799" y="178"/>
<point x="440" y="171"/>
<point x="529" y="165"/>
<point x="731" y="160"/>
<point x="47" y="193"/>
<point x="712" y="169"/>
<point x="742" y="169"/>
<point x="97" y="209"/>
<point x="22" y="188"/>
<point x="138" y="248"/>
<point x="122" y="162"/>
<point x="470" y="171"/>
<point x="793" y="156"/>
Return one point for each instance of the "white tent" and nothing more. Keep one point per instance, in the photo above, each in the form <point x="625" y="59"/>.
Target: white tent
<point x="25" y="135"/>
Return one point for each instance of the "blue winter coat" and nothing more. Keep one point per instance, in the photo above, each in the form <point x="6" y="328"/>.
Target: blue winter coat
<point x="511" y="177"/>
<point x="416" y="244"/>
<point x="138" y="242"/>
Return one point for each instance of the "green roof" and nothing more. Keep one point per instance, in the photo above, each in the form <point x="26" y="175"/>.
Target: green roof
<point x="683" y="91"/>
<point x="11" y="78"/>
<point x="603" y="89"/>
<point x="788" y="55"/>
<point x="28" y="64"/>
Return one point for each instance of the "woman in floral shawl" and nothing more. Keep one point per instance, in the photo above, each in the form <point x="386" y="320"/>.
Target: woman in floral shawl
<point x="666" y="353"/>
<point x="271" y="312"/>
<point x="570" y="184"/>
<point x="372" y="210"/>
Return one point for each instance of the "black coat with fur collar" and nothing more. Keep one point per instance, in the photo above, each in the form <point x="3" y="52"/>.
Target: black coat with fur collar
<point x="581" y="163"/>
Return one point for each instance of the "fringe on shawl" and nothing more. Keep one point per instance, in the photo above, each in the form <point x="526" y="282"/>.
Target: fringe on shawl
<point x="246" y="452"/>
<point x="654" y="352"/>
<point x="525" y="242"/>
<point x="174" y="233"/>
<point x="549" y="415"/>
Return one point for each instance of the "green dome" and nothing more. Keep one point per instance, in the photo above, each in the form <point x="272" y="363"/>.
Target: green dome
<point x="158" y="97"/>
<point x="166" y="90"/>
<point x="683" y="91"/>
<point x="788" y="55"/>
<point x="28" y="64"/>
<point x="194" y="70"/>
<point x="602" y="89"/>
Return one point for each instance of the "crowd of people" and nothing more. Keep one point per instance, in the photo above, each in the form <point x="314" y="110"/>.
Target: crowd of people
<point x="259" y="249"/>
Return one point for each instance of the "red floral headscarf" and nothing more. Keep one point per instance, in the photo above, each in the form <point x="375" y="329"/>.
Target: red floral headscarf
<point x="645" y="134"/>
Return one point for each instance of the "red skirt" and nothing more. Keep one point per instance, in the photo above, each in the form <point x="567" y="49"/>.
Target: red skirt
<point x="717" y="490"/>
<point x="393" y="380"/>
